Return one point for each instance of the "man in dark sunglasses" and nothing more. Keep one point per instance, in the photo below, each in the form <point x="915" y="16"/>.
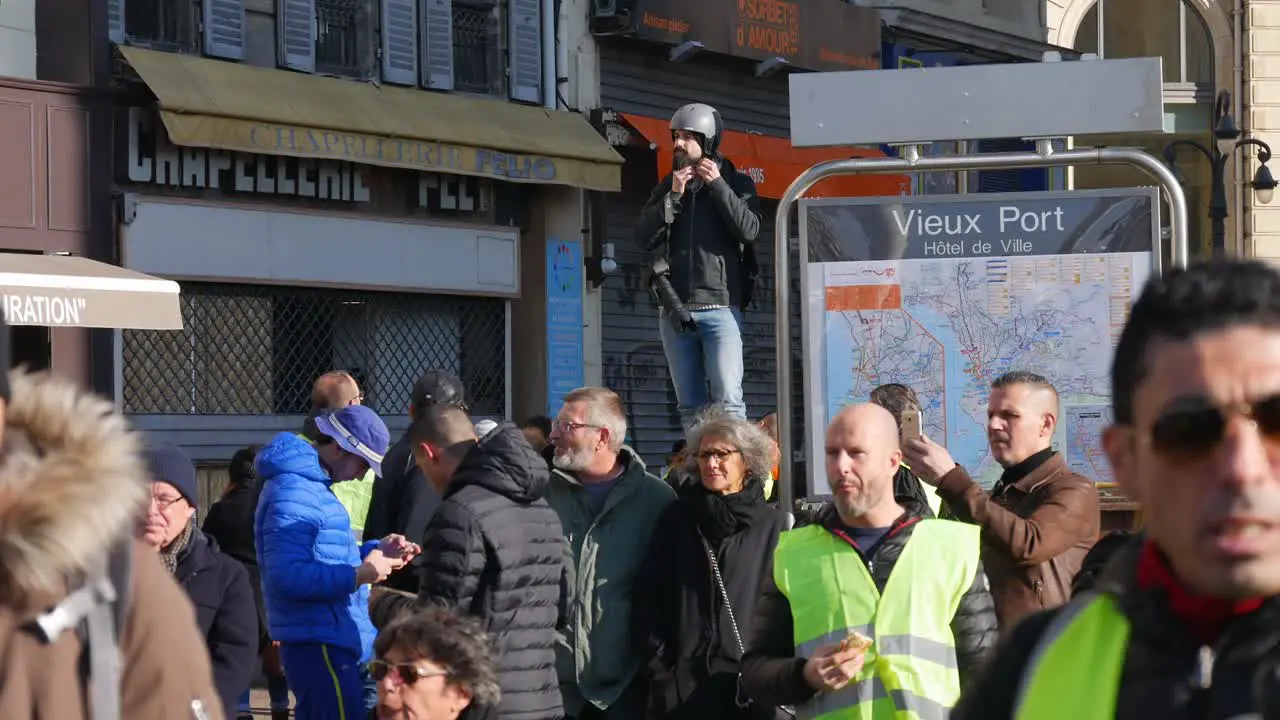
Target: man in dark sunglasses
<point x="1184" y="620"/>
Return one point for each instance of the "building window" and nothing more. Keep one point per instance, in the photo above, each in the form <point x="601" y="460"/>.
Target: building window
<point x="160" y="24"/>
<point x="477" y="46"/>
<point x="1130" y="29"/>
<point x="254" y="350"/>
<point x="342" y="37"/>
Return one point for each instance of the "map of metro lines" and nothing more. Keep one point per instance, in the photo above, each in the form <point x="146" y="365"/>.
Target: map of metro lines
<point x="948" y="327"/>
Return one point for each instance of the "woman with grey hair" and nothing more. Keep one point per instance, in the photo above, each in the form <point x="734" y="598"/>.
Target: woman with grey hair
<point x="434" y="665"/>
<point x="701" y="580"/>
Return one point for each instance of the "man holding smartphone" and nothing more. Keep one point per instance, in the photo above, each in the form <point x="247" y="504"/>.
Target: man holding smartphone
<point x="901" y="402"/>
<point x="1040" y="519"/>
<point x="703" y="218"/>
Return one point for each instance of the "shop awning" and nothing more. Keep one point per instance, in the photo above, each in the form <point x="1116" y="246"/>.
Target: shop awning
<point x="232" y="106"/>
<point x="67" y="291"/>
<point x="773" y="163"/>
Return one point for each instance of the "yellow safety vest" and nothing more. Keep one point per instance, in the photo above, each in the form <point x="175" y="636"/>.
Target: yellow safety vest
<point x="910" y="672"/>
<point x="1074" y="671"/>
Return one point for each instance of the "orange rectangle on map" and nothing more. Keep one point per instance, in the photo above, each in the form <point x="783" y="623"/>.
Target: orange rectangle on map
<point x="852" y="298"/>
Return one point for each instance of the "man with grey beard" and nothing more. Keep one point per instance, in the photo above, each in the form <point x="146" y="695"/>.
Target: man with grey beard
<point x="608" y="506"/>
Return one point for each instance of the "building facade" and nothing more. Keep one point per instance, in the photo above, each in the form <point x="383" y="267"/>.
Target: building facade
<point x="367" y="185"/>
<point x="651" y="57"/>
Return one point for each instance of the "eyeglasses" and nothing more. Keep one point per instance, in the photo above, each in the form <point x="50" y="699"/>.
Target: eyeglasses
<point x="163" y="503"/>
<point x="1196" y="428"/>
<point x="564" y="427"/>
<point x="720" y="455"/>
<point x="403" y="673"/>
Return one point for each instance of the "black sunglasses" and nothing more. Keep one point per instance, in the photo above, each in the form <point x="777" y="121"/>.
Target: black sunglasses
<point x="408" y="673"/>
<point x="1197" y="428"/>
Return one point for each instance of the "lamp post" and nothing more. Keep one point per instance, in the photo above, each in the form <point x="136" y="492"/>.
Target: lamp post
<point x="1228" y="139"/>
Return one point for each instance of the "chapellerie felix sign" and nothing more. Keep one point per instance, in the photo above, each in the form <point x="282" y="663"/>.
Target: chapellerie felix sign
<point x="811" y="34"/>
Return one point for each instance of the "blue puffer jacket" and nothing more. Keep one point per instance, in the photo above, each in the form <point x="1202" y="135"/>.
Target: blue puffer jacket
<point x="307" y="553"/>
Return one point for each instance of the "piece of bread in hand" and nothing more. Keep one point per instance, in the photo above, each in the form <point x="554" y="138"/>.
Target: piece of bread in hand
<point x="855" y="641"/>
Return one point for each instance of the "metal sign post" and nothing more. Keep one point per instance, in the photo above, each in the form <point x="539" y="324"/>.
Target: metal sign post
<point x="913" y="162"/>
<point x="909" y="108"/>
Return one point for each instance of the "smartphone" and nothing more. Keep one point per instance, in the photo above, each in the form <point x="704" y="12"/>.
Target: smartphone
<point x="912" y="424"/>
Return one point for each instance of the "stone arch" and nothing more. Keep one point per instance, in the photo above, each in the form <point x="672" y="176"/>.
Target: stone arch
<point x="1215" y="13"/>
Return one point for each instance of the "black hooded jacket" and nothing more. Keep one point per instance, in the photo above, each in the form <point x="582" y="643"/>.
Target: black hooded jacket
<point x="494" y="549"/>
<point x="220" y="590"/>
<point x="705" y="245"/>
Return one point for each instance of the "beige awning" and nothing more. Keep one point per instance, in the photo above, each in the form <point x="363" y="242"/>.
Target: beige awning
<point x="239" y="107"/>
<point x="67" y="291"/>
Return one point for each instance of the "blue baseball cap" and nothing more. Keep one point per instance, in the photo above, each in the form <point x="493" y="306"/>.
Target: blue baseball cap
<point x="359" y="431"/>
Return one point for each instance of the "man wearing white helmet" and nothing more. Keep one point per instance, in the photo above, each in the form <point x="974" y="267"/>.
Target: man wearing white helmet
<point x="701" y="221"/>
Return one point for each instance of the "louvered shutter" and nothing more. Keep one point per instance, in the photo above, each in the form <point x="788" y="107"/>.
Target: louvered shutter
<point x="437" y="44"/>
<point x="400" y="41"/>
<point x="115" y="20"/>
<point x="224" y="28"/>
<point x="526" y="50"/>
<point x="296" y="21"/>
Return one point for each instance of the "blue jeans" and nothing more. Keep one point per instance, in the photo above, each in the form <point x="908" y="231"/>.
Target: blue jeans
<point x="329" y="683"/>
<point x="277" y="688"/>
<point x="710" y="358"/>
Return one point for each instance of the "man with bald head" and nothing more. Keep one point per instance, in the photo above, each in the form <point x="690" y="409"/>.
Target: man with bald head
<point x="873" y="611"/>
<point x="1040" y="519"/>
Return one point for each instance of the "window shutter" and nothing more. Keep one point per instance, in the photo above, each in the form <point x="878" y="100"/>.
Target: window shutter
<point x="115" y="21"/>
<point x="400" y="41"/>
<point x="437" y="44"/>
<point x="296" y="21"/>
<point x="526" y="50"/>
<point x="224" y="28"/>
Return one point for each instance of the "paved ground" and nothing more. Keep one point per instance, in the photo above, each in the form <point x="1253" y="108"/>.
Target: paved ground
<point x="260" y="702"/>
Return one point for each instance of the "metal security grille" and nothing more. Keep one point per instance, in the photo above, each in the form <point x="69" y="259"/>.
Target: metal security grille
<point x="338" y="36"/>
<point x="476" y="51"/>
<point x="255" y="350"/>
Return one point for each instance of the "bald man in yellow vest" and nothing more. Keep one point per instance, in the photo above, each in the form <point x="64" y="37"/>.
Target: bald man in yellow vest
<point x="874" y="611"/>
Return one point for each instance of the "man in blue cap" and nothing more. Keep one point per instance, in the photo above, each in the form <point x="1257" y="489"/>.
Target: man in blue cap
<point x="315" y="577"/>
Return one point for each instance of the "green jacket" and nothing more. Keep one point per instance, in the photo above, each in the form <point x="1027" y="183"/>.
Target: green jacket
<point x="594" y="655"/>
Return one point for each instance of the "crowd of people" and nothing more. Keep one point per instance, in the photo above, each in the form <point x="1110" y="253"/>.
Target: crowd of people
<point x="541" y="571"/>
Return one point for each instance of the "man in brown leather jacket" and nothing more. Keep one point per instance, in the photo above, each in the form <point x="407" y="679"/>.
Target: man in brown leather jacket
<point x="1040" y="519"/>
<point x="71" y="487"/>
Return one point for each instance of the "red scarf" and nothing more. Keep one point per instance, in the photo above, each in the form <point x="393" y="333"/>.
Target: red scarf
<point x="1204" y="616"/>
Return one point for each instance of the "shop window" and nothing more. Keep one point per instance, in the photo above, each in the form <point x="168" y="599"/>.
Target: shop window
<point x="255" y="350"/>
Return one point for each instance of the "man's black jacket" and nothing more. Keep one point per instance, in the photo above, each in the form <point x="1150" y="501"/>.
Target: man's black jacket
<point x="706" y="240"/>
<point x="773" y="675"/>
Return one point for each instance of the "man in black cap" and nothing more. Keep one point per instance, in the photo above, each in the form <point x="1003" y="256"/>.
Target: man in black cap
<point x="403" y="501"/>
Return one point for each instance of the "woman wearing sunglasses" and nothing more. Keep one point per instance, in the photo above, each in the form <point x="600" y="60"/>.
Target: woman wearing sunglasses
<point x="434" y="665"/>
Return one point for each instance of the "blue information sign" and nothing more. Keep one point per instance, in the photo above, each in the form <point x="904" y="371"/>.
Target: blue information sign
<point x="564" y="320"/>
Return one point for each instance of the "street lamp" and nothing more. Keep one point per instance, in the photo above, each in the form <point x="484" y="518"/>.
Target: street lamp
<point x="1227" y="140"/>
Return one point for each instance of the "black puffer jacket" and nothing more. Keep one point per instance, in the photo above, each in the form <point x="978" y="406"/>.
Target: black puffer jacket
<point x="494" y="549"/>
<point x="773" y="674"/>
<point x="1167" y="673"/>
<point x="705" y="243"/>
<point x="230" y="524"/>
<point x="226" y="612"/>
